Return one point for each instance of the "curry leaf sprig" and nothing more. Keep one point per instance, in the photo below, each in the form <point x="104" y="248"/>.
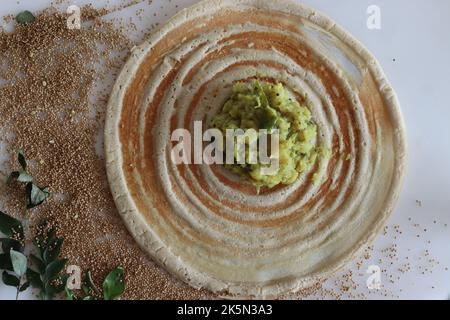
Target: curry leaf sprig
<point x="12" y="260"/>
<point x="49" y="276"/>
<point x="113" y="287"/>
<point x="35" y="195"/>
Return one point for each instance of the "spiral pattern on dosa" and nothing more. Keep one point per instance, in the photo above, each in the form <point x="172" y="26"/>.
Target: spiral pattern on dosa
<point x="210" y="228"/>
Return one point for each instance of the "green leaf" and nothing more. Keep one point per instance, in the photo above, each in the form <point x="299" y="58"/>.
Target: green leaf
<point x="10" y="226"/>
<point x="89" y="298"/>
<point x="53" y="270"/>
<point x="35" y="195"/>
<point x="24" y="286"/>
<point x="49" y="291"/>
<point x="34" y="279"/>
<point x="21" y="158"/>
<point x="50" y="237"/>
<point x="8" y="244"/>
<point x="19" y="262"/>
<point x="25" y="17"/>
<point x="114" y="284"/>
<point x="61" y="285"/>
<point x="46" y="241"/>
<point x="51" y="280"/>
<point x="5" y="262"/>
<point x="70" y="294"/>
<point x="38" y="263"/>
<point x="53" y="250"/>
<point x="267" y="118"/>
<point x="24" y="177"/>
<point x="10" y="280"/>
<point x="20" y="176"/>
<point x="13" y="176"/>
<point x="41" y="238"/>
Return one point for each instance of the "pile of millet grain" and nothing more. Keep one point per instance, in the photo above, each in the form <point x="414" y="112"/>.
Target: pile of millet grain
<point x="54" y="86"/>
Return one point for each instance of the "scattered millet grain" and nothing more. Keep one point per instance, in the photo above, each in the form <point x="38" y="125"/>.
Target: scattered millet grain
<point x="54" y="84"/>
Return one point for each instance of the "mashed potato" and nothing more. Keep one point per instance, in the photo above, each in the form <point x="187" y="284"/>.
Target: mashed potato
<point x="260" y="105"/>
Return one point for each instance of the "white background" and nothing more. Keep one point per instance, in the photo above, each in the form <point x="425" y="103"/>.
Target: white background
<point x="413" y="47"/>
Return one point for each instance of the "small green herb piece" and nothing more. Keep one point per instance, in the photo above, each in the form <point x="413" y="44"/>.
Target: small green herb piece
<point x="19" y="262"/>
<point x="21" y="159"/>
<point x="35" y="195"/>
<point x="114" y="284"/>
<point x="268" y="118"/>
<point x="25" y="17"/>
<point x="262" y="94"/>
<point x="21" y="175"/>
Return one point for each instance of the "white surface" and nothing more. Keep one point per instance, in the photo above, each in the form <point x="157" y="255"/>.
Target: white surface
<point x="415" y="34"/>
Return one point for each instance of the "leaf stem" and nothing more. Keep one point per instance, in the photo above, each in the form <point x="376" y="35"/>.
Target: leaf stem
<point x="18" y="288"/>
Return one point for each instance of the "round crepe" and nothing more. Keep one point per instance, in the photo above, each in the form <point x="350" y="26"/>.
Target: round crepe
<point x="208" y="227"/>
